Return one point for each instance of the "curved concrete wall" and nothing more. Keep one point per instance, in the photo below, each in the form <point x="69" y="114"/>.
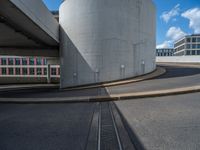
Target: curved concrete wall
<point x="105" y="40"/>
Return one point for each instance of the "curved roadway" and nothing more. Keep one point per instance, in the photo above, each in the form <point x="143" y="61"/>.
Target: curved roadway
<point x="175" y="77"/>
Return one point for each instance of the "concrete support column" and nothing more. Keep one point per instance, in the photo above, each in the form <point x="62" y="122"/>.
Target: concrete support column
<point x="101" y="43"/>
<point x="48" y="73"/>
<point x="0" y="66"/>
<point x="51" y="61"/>
<point x="28" y="64"/>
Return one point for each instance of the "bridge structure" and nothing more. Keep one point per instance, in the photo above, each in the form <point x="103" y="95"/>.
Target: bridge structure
<point x="88" y="51"/>
<point x="27" y="28"/>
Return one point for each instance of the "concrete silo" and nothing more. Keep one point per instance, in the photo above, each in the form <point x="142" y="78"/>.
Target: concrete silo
<point x="106" y="40"/>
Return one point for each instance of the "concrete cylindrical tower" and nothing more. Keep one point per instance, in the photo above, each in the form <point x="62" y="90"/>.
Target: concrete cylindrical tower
<point x="105" y="40"/>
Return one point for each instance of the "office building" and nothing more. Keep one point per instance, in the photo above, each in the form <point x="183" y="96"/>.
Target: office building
<point x="29" y="69"/>
<point x="188" y="45"/>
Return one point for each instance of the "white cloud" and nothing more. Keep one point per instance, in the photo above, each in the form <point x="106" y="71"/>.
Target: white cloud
<point x="165" y="44"/>
<point x="166" y="16"/>
<point x="194" y="17"/>
<point x="175" y="33"/>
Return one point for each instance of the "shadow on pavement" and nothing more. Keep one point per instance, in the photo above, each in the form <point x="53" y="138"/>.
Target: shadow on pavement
<point x="177" y="71"/>
<point x="50" y="93"/>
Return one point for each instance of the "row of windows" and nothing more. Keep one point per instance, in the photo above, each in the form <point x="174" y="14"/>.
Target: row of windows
<point x="193" y="46"/>
<point x="193" y="39"/>
<point x="164" y="54"/>
<point x="180" y="48"/>
<point x="22" y="61"/>
<point x="180" y="53"/>
<point x="192" y="52"/>
<point x="179" y="43"/>
<point x="32" y="71"/>
<point x="188" y="40"/>
<point x="165" y="50"/>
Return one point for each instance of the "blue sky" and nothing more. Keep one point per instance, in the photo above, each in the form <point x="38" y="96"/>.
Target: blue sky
<point x="175" y="18"/>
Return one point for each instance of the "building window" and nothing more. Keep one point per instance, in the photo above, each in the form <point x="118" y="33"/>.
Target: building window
<point x="198" y="39"/>
<point x="32" y="71"/>
<point x="45" y="62"/>
<point x="24" y="71"/>
<point x="187" y="52"/>
<point x="193" y="40"/>
<point x="58" y="71"/>
<point x="39" y="71"/>
<point x="53" y="71"/>
<point x="3" y="61"/>
<point x="24" y="61"/>
<point x="198" y="45"/>
<point x="193" y="52"/>
<point x="45" y="71"/>
<point x="188" y="46"/>
<point x="38" y="61"/>
<point x="188" y="40"/>
<point x="17" y="71"/>
<point x="10" y="71"/>
<point x="10" y="61"/>
<point x="17" y="61"/>
<point x="193" y="46"/>
<point x="3" y="71"/>
<point x="31" y="61"/>
<point x="198" y="52"/>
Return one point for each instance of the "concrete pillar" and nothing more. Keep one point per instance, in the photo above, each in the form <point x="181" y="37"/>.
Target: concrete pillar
<point x="51" y="61"/>
<point x="48" y="73"/>
<point x="101" y="43"/>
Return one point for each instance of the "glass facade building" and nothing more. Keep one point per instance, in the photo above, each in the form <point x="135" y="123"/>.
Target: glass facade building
<point x="188" y="45"/>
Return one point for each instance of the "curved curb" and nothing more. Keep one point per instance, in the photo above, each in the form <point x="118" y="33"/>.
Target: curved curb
<point x="117" y="97"/>
<point x="167" y="92"/>
<point x="189" y="65"/>
<point x="158" y="72"/>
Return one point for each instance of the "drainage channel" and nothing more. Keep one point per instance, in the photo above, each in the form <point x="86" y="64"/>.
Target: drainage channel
<point x="107" y="130"/>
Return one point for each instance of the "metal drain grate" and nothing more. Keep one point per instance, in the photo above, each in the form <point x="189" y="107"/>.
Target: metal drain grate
<point x="108" y="135"/>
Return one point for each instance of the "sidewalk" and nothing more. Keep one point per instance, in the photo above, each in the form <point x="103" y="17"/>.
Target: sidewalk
<point x="163" y="123"/>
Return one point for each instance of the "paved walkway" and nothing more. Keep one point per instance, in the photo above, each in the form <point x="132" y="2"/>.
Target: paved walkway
<point x="164" y="123"/>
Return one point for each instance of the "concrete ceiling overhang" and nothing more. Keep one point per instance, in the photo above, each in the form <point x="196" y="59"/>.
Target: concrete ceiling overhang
<point x="27" y="25"/>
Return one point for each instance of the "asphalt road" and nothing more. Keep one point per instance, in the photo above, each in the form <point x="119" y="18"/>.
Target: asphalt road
<point x="44" y="126"/>
<point x="175" y="77"/>
<point x="45" y="93"/>
<point x="83" y="126"/>
<point x="173" y="71"/>
<point x="165" y="123"/>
